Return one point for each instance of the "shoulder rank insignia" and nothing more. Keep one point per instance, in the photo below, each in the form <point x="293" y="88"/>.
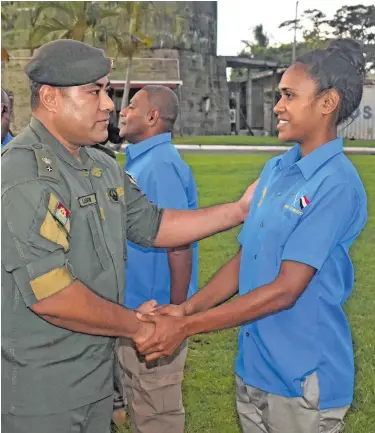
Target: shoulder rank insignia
<point x="48" y="163"/>
<point x="46" y="160"/>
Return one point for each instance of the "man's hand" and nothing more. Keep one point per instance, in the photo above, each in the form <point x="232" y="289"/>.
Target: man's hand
<point x="147" y="307"/>
<point x="144" y="332"/>
<point x="246" y="199"/>
<point x="169" y="333"/>
<point x="170" y="310"/>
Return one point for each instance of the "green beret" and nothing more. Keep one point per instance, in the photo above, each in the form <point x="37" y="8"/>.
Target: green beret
<point x="65" y="63"/>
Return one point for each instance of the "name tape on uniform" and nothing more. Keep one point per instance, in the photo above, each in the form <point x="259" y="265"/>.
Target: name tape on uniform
<point x="87" y="200"/>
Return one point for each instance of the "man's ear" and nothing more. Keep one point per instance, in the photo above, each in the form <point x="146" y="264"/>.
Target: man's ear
<point x="153" y="116"/>
<point x="48" y="96"/>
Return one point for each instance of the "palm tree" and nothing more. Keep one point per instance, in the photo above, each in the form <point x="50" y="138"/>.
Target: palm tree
<point x="68" y="20"/>
<point x="136" y="17"/>
<point x="129" y="42"/>
<point x="82" y="21"/>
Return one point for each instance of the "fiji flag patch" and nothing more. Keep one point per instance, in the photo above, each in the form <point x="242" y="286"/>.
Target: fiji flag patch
<point x="62" y="213"/>
<point x="59" y="211"/>
<point x="303" y="202"/>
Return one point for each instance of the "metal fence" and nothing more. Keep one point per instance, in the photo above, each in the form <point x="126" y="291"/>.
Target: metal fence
<point x="363" y="125"/>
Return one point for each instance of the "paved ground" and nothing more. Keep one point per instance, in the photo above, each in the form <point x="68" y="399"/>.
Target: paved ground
<point x="194" y="148"/>
<point x="231" y="149"/>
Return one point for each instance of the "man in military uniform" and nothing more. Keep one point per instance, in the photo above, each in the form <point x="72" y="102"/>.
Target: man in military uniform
<point x="67" y="211"/>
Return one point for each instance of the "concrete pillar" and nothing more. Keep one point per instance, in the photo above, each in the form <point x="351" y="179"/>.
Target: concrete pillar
<point x="249" y="105"/>
<point x="273" y="101"/>
<point x="238" y="107"/>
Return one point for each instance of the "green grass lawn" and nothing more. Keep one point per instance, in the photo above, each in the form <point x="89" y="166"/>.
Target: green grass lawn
<point x="209" y="394"/>
<point x="245" y="140"/>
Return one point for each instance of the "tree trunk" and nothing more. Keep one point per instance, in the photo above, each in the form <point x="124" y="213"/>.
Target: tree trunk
<point x="125" y="96"/>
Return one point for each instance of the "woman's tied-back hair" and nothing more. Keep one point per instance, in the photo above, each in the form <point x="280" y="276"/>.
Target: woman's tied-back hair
<point x="341" y="67"/>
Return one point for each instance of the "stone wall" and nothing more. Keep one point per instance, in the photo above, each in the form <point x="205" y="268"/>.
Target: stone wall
<point x="14" y="79"/>
<point x="203" y="77"/>
<point x="149" y="65"/>
<point x="202" y="73"/>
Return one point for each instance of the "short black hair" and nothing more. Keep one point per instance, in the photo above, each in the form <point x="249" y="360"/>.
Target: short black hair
<point x="166" y="101"/>
<point x="341" y="67"/>
<point x="34" y="90"/>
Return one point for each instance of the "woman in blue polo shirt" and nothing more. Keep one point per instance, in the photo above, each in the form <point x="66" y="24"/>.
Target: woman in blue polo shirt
<point x="294" y="369"/>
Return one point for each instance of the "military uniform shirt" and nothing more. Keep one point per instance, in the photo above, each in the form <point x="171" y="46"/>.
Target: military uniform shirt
<point x="62" y="219"/>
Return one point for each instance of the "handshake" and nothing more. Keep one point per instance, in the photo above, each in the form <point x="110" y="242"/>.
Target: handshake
<point x="161" y="329"/>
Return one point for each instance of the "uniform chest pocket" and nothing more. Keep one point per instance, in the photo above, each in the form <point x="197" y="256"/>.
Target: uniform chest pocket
<point x="289" y="222"/>
<point x="98" y="240"/>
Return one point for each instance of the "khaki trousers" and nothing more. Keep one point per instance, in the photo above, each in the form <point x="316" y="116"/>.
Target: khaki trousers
<point x="153" y="390"/>
<point x="262" y="412"/>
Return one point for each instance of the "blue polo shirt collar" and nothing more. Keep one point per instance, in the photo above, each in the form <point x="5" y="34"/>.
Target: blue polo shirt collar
<point x="134" y="150"/>
<point x="309" y="164"/>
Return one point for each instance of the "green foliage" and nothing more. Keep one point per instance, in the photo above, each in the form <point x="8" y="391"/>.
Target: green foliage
<point x="260" y="37"/>
<point x="66" y="20"/>
<point x="120" y="27"/>
<point x="356" y="22"/>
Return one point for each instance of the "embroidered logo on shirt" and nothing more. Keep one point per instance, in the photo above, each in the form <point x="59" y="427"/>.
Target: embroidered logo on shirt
<point x="293" y="209"/>
<point x="303" y="202"/>
<point x="300" y="201"/>
<point x="264" y="192"/>
<point x="112" y="194"/>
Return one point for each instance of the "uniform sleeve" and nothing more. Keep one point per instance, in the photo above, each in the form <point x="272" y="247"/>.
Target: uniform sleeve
<point x="35" y="239"/>
<point x="143" y="217"/>
<point x="330" y="219"/>
<point x="167" y="187"/>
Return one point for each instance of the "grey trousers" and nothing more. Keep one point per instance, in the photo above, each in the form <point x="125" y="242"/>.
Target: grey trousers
<point x="262" y="412"/>
<point x="93" y="418"/>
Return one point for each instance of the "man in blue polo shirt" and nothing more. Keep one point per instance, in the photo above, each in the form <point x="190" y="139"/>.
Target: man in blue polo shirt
<point x="153" y="390"/>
